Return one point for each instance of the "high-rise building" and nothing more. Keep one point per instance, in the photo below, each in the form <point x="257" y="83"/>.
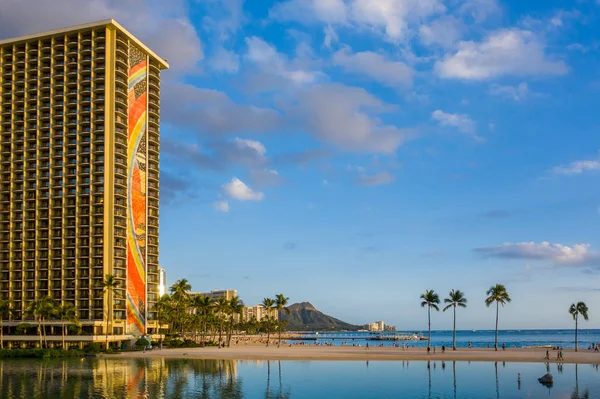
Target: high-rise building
<point x="79" y="153"/>
<point x="258" y="312"/>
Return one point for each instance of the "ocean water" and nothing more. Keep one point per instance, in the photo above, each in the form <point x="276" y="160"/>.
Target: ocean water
<point x="478" y="339"/>
<point x="188" y="378"/>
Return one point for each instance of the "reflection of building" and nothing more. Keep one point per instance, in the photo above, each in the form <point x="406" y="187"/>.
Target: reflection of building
<point x="162" y="282"/>
<point x="216" y="294"/>
<point x="79" y="137"/>
<point x="258" y="312"/>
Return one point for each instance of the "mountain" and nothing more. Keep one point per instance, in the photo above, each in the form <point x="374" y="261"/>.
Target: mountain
<point x="304" y="316"/>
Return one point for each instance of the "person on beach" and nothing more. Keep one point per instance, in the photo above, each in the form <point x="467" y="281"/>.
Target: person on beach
<point x="428" y="350"/>
<point x="503" y="346"/>
<point x="469" y="345"/>
<point x="547" y="355"/>
<point x="443" y="348"/>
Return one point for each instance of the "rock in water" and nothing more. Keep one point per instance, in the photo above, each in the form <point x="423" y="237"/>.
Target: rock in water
<point x="547" y="379"/>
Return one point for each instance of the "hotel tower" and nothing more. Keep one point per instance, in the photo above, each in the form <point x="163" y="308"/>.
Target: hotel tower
<point x="79" y="171"/>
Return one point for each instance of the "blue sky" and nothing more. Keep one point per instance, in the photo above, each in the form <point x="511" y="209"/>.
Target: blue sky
<point x="353" y="153"/>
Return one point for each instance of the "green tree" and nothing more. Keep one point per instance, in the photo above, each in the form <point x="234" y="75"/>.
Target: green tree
<point x="180" y="293"/>
<point x="236" y="306"/>
<point x="455" y="298"/>
<point x="66" y="313"/>
<point x="163" y="307"/>
<point x="576" y="310"/>
<point x="109" y="285"/>
<point x="281" y="305"/>
<point x="5" y="309"/>
<point x="41" y="309"/>
<point x="431" y="300"/>
<point x="222" y="310"/>
<point x="498" y="294"/>
<point x="268" y="304"/>
<point x="204" y="307"/>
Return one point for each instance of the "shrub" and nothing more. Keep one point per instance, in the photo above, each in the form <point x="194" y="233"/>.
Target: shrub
<point x="92" y="348"/>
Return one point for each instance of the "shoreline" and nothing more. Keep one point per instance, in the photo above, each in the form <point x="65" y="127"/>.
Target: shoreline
<point x="299" y="352"/>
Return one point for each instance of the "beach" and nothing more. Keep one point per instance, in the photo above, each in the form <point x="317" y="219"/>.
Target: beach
<point x="313" y="352"/>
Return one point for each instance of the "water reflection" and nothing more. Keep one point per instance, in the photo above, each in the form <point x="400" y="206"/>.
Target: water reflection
<point x="171" y="378"/>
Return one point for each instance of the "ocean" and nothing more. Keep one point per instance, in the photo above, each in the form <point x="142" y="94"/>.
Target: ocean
<point x="478" y="339"/>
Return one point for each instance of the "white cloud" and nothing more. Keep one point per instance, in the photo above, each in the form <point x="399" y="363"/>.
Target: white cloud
<point x="576" y="167"/>
<point x="213" y="113"/>
<point x="330" y="36"/>
<point x="225" y="61"/>
<point x="327" y="11"/>
<point x="480" y="10"/>
<point x="238" y="190"/>
<point x="461" y="122"/>
<point x="517" y="93"/>
<point x="347" y="117"/>
<point x="176" y="39"/>
<point x="377" y="179"/>
<point x="269" y="60"/>
<point x="505" y="52"/>
<point x="445" y="32"/>
<point x="265" y="177"/>
<point x="253" y="144"/>
<point x="376" y="66"/>
<point x="392" y="18"/>
<point x="578" y="254"/>
<point x="221" y="206"/>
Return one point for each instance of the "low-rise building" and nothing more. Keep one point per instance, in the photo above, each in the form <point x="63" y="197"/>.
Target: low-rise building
<point x="216" y="294"/>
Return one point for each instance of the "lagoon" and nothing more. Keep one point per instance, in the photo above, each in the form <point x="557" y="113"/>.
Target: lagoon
<point x="192" y="378"/>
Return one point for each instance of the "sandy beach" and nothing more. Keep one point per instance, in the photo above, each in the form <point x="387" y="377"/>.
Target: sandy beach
<point x="308" y="352"/>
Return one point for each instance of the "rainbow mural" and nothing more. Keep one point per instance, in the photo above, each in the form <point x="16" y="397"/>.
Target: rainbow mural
<point x="136" y="184"/>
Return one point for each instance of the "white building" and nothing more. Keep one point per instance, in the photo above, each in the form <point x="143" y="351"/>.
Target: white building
<point x="162" y="282"/>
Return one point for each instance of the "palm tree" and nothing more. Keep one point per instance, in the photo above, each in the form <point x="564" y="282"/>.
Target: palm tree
<point x="498" y="294"/>
<point x="109" y="285"/>
<point x="5" y="309"/>
<point x="40" y="309"/>
<point x="431" y="300"/>
<point x="236" y="306"/>
<point x="65" y="312"/>
<point x="580" y="309"/>
<point x="163" y="305"/>
<point x="222" y="309"/>
<point x="180" y="294"/>
<point x="455" y="298"/>
<point x="268" y="304"/>
<point x="280" y="304"/>
<point x="204" y="306"/>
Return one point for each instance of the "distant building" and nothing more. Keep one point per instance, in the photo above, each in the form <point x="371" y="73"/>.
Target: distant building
<point x="258" y="312"/>
<point x="162" y="282"/>
<point x="376" y="326"/>
<point x="216" y="294"/>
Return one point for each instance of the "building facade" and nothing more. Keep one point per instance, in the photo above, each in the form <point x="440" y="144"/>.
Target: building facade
<point x="258" y="312"/>
<point x="216" y="294"/>
<point x="79" y="169"/>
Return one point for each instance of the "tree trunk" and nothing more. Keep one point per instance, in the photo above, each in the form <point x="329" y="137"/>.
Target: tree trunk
<point x="279" y="335"/>
<point x="454" y="333"/>
<point x="496" y="339"/>
<point x="268" y="332"/>
<point x="575" y="333"/>
<point x="63" y="335"/>
<point x="1" y="333"/>
<point x="429" y="324"/>
<point x="40" y="332"/>
<point x="220" y="331"/>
